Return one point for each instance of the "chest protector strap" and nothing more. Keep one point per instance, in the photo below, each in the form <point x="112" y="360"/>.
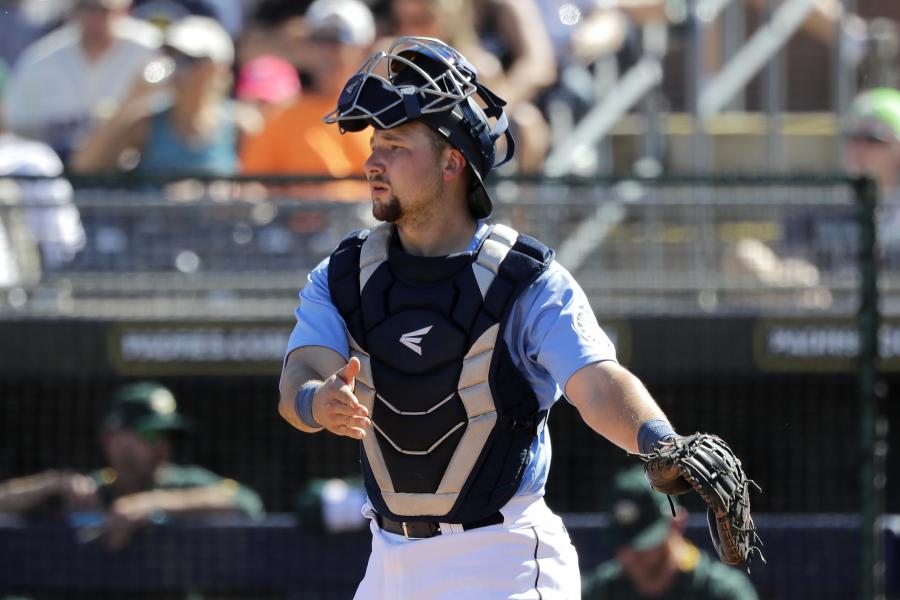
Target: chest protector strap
<point x="452" y="417"/>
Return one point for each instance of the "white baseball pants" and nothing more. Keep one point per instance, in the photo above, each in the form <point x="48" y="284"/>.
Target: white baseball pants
<point x="527" y="557"/>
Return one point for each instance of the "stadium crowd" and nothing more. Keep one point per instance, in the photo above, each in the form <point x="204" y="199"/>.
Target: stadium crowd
<point x="240" y="87"/>
<point x="168" y="87"/>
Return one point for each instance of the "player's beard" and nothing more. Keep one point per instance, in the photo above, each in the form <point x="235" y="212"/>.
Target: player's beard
<point x="388" y="211"/>
<point x="421" y="207"/>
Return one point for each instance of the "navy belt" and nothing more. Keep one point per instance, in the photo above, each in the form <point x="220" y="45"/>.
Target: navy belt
<point x="417" y="530"/>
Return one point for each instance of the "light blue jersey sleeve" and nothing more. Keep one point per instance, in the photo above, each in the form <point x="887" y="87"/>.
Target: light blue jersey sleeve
<point x="318" y="321"/>
<point x="552" y="333"/>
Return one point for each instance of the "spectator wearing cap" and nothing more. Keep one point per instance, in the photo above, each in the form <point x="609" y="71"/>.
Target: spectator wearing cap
<point x="871" y="129"/>
<point x="827" y="240"/>
<point x="140" y="486"/>
<point x="653" y="559"/>
<point x="48" y="233"/>
<point x="65" y="81"/>
<point x="178" y="117"/>
<point x="266" y="85"/>
<point x="339" y="35"/>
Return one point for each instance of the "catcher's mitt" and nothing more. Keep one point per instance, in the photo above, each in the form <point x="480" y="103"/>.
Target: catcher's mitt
<point x="704" y="463"/>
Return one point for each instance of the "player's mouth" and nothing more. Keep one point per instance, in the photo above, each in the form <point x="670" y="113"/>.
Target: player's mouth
<point x="378" y="188"/>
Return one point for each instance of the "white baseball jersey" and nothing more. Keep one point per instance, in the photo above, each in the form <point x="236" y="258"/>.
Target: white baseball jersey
<point x="54" y="90"/>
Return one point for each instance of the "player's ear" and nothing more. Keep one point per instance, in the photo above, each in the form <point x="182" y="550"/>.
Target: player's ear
<point x="454" y="164"/>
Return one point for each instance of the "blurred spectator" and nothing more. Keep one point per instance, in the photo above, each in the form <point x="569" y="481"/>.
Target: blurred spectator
<point x="48" y="232"/>
<point x="66" y="80"/>
<point x="177" y="116"/>
<point x="296" y="141"/>
<point x="507" y="43"/>
<point x="266" y="84"/>
<point x="872" y="130"/>
<point x="826" y="241"/>
<point x="140" y="486"/>
<point x="653" y="559"/>
<point x="268" y="81"/>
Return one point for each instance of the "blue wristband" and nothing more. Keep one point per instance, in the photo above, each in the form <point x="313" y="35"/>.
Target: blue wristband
<point x="303" y="404"/>
<point x="651" y="433"/>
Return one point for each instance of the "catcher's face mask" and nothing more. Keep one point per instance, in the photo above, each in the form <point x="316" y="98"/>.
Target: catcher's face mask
<point x="425" y="79"/>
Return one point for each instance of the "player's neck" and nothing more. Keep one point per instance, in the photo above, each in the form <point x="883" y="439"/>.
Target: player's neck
<point x="447" y="234"/>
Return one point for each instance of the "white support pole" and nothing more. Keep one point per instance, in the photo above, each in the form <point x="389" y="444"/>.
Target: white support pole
<point x="754" y="55"/>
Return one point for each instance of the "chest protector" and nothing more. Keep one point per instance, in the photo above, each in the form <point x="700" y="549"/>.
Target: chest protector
<point x="452" y="418"/>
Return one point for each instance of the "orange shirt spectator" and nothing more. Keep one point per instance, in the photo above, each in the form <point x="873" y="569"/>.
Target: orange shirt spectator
<point x="296" y="141"/>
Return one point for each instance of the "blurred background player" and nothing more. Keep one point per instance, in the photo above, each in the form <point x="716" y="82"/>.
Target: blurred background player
<point x="140" y="485"/>
<point x="64" y="82"/>
<point x="653" y="559"/>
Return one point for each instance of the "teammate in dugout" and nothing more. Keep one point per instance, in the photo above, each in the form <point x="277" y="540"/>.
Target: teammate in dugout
<point x="441" y="342"/>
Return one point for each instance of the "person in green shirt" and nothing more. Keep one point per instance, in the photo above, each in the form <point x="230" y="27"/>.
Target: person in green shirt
<point x="653" y="559"/>
<point x="140" y="486"/>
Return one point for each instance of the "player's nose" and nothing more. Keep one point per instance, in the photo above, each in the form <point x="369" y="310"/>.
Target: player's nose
<point x="373" y="165"/>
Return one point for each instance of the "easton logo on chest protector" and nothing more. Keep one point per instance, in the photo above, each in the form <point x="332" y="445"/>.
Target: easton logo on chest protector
<point x="412" y="339"/>
<point x="452" y="427"/>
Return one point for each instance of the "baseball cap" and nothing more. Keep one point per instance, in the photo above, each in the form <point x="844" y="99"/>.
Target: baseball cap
<point x="639" y="516"/>
<point x="874" y="114"/>
<point x="268" y="78"/>
<point x="201" y="37"/>
<point x="346" y="21"/>
<point x="146" y="407"/>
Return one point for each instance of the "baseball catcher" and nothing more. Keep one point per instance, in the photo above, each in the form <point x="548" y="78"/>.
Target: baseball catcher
<point x="704" y="463"/>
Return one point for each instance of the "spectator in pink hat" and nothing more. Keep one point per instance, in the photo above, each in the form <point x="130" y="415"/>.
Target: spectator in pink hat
<point x="268" y="79"/>
<point x="296" y="141"/>
<point x="265" y="86"/>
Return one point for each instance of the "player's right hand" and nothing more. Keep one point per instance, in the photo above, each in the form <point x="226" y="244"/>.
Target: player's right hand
<point x="335" y="406"/>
